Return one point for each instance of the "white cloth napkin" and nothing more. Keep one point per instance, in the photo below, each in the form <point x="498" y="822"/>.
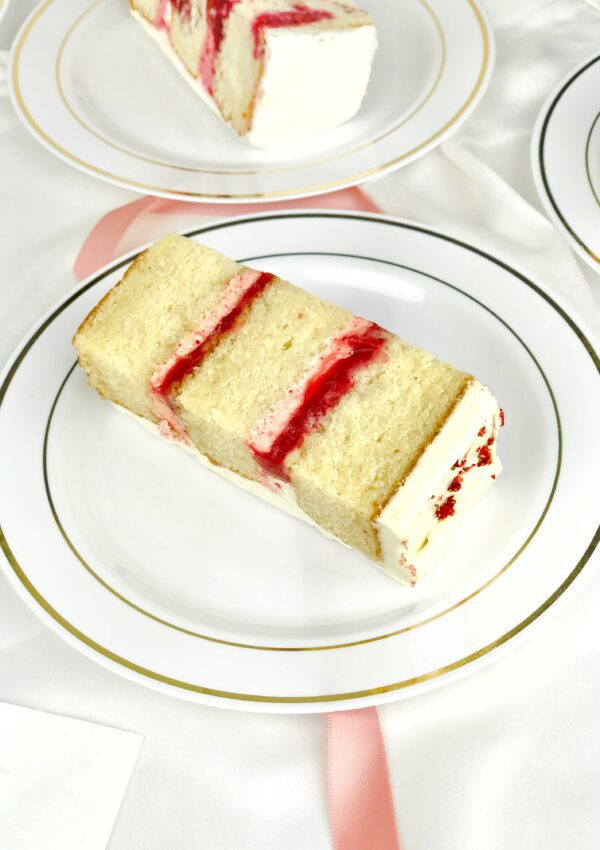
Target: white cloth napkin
<point x="61" y="780"/>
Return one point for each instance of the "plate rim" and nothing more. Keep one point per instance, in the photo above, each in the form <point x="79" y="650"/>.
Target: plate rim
<point x="339" y="644"/>
<point x="474" y="98"/>
<point x="540" y="176"/>
<point x="19" y="580"/>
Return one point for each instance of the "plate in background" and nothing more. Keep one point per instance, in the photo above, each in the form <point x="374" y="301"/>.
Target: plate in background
<point x="97" y="92"/>
<point x="566" y="159"/>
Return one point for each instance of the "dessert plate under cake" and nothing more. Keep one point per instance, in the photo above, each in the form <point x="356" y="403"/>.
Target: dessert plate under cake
<point x="172" y="576"/>
<point x="93" y="88"/>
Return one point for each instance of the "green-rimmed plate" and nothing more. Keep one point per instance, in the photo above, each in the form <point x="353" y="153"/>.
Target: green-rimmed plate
<point x="162" y="571"/>
<point x="566" y="159"/>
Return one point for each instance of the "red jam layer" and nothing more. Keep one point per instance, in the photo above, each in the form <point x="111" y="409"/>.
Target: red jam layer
<point x="322" y="393"/>
<point x="297" y="16"/>
<point x="182" y="366"/>
<point x="160" y="21"/>
<point x="182" y="7"/>
<point x="217" y="12"/>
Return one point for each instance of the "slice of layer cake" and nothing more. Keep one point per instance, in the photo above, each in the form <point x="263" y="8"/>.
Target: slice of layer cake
<point x="327" y="415"/>
<point x="275" y="70"/>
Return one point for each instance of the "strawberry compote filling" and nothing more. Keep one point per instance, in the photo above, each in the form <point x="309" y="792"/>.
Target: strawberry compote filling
<point x="446" y="509"/>
<point x="483" y="457"/>
<point x="183" y="8"/>
<point x="217" y="12"/>
<point x="297" y="16"/>
<point x="238" y="295"/>
<point x="160" y="21"/>
<point x="330" y="376"/>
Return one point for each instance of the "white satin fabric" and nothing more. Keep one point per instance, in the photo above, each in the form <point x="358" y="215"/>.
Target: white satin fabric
<point x="62" y="780"/>
<point x="506" y="758"/>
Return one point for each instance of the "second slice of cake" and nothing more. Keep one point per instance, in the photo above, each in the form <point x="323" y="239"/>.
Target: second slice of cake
<point x="328" y="415"/>
<point x="275" y="70"/>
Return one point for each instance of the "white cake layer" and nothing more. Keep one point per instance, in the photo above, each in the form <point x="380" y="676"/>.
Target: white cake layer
<point x="409" y="518"/>
<point x="312" y="80"/>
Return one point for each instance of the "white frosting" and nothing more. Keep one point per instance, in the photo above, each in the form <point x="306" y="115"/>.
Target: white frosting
<point x="312" y="80"/>
<point x="412" y="537"/>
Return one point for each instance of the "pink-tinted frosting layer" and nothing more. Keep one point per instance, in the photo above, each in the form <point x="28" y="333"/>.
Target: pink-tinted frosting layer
<point x="237" y="296"/>
<point x="217" y="13"/>
<point x="328" y="378"/>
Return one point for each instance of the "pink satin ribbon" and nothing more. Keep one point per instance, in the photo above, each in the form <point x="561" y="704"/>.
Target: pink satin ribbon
<point x="102" y="243"/>
<point x="361" y="808"/>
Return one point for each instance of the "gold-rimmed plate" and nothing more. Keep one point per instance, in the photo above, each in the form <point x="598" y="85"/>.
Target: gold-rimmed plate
<point x="565" y="155"/>
<point x="96" y="91"/>
<point x="159" y="569"/>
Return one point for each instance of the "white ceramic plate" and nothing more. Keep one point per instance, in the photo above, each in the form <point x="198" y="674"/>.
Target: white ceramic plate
<point x="162" y="571"/>
<point x="96" y="91"/>
<point x="566" y="159"/>
<point x="3" y="8"/>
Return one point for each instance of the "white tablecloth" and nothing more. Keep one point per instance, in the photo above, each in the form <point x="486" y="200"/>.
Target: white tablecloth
<point x="506" y="758"/>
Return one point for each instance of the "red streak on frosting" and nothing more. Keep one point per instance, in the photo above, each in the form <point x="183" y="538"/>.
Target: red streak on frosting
<point x="217" y="12"/>
<point x="166" y="379"/>
<point x="182" y="7"/>
<point x="446" y="509"/>
<point x="297" y="16"/>
<point x="323" y="391"/>
<point x="484" y="455"/>
<point x="484" y="458"/>
<point x="159" y="21"/>
<point x="455" y="484"/>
